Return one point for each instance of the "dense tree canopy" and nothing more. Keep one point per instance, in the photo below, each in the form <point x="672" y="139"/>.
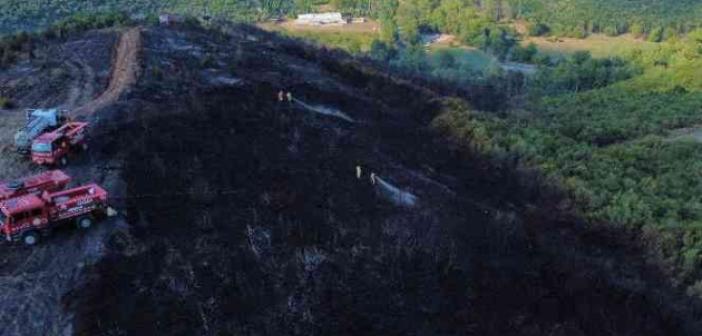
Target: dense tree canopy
<point x="612" y="131"/>
<point x="656" y="19"/>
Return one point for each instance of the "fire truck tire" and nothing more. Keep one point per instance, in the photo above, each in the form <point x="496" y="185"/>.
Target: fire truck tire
<point x="84" y="223"/>
<point x="30" y="238"/>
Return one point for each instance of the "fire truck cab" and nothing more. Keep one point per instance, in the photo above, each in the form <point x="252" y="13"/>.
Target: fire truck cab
<point x="23" y="217"/>
<point x="53" y="147"/>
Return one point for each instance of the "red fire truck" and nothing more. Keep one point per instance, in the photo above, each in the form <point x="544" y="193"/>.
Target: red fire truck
<point x="51" y="181"/>
<point x="28" y="216"/>
<point x="53" y="147"/>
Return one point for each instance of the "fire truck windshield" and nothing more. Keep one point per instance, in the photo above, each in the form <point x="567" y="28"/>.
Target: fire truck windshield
<point x="41" y="147"/>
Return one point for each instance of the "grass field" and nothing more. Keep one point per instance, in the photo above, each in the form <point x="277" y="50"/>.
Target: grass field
<point x="353" y="38"/>
<point x="472" y="58"/>
<point x="598" y="45"/>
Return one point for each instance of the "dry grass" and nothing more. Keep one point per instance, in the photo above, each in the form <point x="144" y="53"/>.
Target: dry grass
<point x="598" y="45"/>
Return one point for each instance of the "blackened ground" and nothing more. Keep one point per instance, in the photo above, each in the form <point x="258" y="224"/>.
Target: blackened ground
<point x="247" y="218"/>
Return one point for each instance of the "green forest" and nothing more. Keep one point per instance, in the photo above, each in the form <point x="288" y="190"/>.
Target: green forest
<point x="654" y="19"/>
<point x="612" y="131"/>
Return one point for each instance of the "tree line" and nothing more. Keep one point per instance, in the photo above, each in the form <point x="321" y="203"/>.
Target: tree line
<point x="655" y="20"/>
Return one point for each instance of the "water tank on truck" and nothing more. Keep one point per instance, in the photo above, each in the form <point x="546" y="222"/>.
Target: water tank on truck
<point x="54" y="180"/>
<point x="38" y="122"/>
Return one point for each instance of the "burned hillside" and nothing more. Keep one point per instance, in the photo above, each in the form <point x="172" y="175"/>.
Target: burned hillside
<point x="245" y="212"/>
<point x="247" y="216"/>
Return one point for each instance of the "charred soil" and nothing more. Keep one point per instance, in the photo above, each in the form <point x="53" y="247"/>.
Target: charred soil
<point x="245" y="214"/>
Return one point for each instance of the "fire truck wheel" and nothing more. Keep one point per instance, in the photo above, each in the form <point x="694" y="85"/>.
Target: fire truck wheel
<point x="30" y="238"/>
<point x="85" y="222"/>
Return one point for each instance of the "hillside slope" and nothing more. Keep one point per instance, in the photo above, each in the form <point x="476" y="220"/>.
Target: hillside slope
<point x="241" y="214"/>
<point x="247" y="216"/>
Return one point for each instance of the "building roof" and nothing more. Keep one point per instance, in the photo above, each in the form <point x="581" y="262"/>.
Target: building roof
<point x="320" y="18"/>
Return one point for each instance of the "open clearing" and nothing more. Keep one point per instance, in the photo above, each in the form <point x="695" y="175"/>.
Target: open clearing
<point x="693" y="133"/>
<point x="598" y="45"/>
<point x="471" y="57"/>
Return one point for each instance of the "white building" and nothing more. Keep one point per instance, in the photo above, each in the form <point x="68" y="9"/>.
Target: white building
<point x="169" y="19"/>
<point x="334" y="18"/>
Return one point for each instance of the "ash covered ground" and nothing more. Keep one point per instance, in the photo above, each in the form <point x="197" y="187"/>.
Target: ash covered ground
<point x="242" y="214"/>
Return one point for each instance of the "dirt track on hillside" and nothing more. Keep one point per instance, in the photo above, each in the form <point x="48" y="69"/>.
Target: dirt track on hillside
<point x="125" y="72"/>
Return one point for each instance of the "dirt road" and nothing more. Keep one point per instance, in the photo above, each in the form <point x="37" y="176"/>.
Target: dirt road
<point x="125" y="72"/>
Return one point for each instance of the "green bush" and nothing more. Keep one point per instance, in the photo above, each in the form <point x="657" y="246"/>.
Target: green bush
<point x="524" y="54"/>
<point x="611" y="31"/>
<point x="538" y="29"/>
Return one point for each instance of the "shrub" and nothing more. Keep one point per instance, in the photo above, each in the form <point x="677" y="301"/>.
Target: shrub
<point x="611" y="31"/>
<point x="381" y="51"/>
<point x="695" y="290"/>
<point x="86" y="21"/>
<point x="524" y="54"/>
<point x="445" y="59"/>
<point x="208" y="61"/>
<point x="538" y="29"/>
<point x="637" y="30"/>
<point x="157" y="73"/>
<point x="6" y="103"/>
<point x="656" y="35"/>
